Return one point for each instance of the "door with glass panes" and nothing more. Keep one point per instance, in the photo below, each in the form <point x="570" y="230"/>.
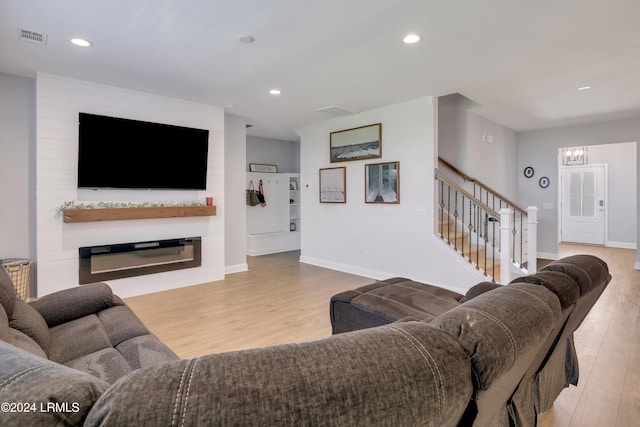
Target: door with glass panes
<point x="583" y="204"/>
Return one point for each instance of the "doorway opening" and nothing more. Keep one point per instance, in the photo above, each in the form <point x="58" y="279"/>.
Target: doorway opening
<point x="597" y="195"/>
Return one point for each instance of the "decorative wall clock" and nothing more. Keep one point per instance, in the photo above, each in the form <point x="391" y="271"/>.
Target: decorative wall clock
<point x="544" y="182"/>
<point x="528" y="172"/>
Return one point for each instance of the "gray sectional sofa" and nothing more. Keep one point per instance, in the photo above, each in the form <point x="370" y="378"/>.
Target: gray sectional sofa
<point x="520" y="361"/>
<point x="484" y="360"/>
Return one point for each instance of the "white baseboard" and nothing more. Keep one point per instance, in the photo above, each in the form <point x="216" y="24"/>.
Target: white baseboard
<point x="377" y="275"/>
<point x="238" y="268"/>
<point x="548" y="255"/>
<point x="637" y="265"/>
<point x="621" y="245"/>
<point x="271" y="243"/>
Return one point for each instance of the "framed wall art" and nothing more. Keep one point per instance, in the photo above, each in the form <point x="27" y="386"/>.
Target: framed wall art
<point x="256" y="167"/>
<point x="382" y="182"/>
<point x="359" y="143"/>
<point x="333" y="185"/>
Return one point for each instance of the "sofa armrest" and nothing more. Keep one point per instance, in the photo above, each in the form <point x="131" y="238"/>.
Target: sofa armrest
<point x="74" y="303"/>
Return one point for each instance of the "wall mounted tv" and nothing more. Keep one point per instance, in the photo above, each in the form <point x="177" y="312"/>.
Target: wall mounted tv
<point x="121" y="153"/>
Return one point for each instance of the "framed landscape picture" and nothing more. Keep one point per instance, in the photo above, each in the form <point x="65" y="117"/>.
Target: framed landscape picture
<point x="382" y="182"/>
<point x="332" y="185"/>
<point x="359" y="143"/>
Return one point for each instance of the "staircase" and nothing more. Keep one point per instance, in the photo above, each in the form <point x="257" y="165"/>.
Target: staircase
<point x="493" y="234"/>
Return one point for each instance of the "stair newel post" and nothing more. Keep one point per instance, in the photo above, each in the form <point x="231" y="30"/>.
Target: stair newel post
<point x="505" y="245"/>
<point x="532" y="239"/>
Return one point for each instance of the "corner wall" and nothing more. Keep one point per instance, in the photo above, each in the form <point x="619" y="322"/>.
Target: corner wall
<point x="235" y="224"/>
<point x="378" y="240"/>
<point x="284" y="154"/>
<point x="460" y="142"/>
<point x="17" y="144"/>
<point x="58" y="102"/>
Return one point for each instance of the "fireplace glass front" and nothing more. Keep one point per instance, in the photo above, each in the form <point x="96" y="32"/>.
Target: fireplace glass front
<point x="117" y="261"/>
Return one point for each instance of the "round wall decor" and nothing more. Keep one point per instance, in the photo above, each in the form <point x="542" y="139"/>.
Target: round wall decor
<point x="528" y="172"/>
<point x="544" y="182"/>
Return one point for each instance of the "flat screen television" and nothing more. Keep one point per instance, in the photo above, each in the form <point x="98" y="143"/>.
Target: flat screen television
<point x="122" y="153"/>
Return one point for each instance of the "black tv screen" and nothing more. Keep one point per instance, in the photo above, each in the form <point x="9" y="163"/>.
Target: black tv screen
<point x="121" y="153"/>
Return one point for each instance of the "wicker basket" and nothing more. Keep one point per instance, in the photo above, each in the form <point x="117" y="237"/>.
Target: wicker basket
<point x="18" y="270"/>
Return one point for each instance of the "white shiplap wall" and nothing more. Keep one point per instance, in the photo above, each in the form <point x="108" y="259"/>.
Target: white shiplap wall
<point x="58" y="102"/>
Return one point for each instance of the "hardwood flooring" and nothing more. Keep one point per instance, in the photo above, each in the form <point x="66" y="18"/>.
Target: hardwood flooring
<point x="281" y="300"/>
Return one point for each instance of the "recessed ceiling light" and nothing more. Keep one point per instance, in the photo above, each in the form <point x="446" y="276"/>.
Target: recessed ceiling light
<point x="411" y="38"/>
<point x="584" y="88"/>
<point x="81" y="42"/>
<point x="275" y="92"/>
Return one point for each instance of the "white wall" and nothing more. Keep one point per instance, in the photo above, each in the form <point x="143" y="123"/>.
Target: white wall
<point x="379" y="241"/>
<point x="495" y="164"/>
<point x="284" y="154"/>
<point x="460" y="143"/>
<point x="17" y="142"/>
<point x="452" y="129"/>
<point x="621" y="191"/>
<point x="235" y="224"/>
<point x="274" y="217"/>
<point x="58" y="102"/>
<point x="539" y="150"/>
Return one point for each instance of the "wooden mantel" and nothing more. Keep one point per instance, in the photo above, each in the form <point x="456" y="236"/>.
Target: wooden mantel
<point x="117" y="214"/>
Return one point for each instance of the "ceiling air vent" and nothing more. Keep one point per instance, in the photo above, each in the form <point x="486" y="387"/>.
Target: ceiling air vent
<point x="32" y="37"/>
<point x="335" y="110"/>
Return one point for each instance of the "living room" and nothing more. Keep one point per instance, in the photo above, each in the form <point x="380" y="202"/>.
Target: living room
<point x="409" y="136"/>
<point x="38" y="142"/>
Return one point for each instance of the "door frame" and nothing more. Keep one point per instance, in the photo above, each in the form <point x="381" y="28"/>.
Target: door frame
<point x="561" y="167"/>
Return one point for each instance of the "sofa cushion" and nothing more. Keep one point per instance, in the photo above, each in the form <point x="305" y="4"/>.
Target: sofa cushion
<point x="7" y="292"/>
<point x="497" y="327"/>
<point x="29" y="321"/>
<point x="401" y="297"/>
<point x="389" y="300"/>
<point x="378" y="376"/>
<point x="478" y="289"/>
<point x="62" y="396"/>
<point x="106" y="364"/>
<point x="145" y="350"/>
<point x="563" y="286"/>
<point x="77" y="338"/>
<point x="588" y="270"/>
<point x="24" y="342"/>
<point x="121" y="324"/>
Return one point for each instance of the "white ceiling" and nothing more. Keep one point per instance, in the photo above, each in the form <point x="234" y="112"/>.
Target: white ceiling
<point x="522" y="61"/>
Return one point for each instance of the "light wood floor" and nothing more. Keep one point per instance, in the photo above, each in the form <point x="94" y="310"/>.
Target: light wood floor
<point x="281" y="300"/>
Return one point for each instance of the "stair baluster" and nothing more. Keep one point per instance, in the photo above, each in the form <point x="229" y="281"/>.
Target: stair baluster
<point x="482" y="243"/>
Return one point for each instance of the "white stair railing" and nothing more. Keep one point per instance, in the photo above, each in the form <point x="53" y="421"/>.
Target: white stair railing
<point x="483" y="235"/>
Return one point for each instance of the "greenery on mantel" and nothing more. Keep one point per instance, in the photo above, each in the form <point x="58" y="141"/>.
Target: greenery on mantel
<point x="114" y="205"/>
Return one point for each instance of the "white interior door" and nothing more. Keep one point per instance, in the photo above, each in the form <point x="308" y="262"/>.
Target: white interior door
<point x="583" y="204"/>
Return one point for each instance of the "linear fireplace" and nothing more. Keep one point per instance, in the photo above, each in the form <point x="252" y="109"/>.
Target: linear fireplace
<point x="108" y="262"/>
